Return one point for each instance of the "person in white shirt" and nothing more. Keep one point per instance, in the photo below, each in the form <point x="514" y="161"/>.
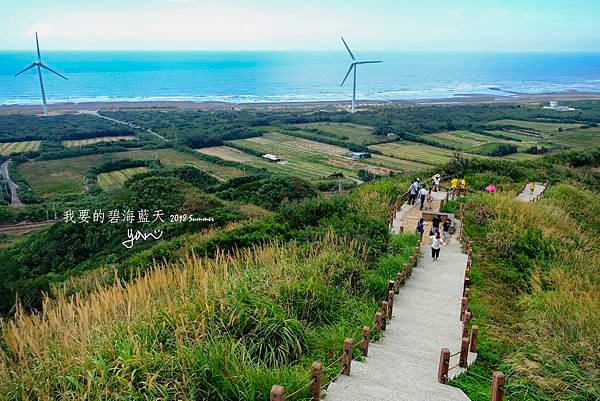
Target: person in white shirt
<point x="423" y="194"/>
<point x="436" y="244"/>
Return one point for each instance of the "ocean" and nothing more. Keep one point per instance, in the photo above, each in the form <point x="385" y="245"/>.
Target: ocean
<point x="290" y="76"/>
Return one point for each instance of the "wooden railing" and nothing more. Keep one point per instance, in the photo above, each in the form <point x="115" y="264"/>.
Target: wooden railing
<point x="468" y="342"/>
<point x="380" y="323"/>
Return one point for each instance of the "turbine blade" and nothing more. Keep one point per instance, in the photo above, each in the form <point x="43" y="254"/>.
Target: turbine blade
<point x="37" y="44"/>
<point x="369" y="62"/>
<point x="347" y="48"/>
<point x="25" y="69"/>
<point x="51" y="70"/>
<point x="348" y="73"/>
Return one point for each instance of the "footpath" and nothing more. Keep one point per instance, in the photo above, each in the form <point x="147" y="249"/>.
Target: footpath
<point x="426" y="318"/>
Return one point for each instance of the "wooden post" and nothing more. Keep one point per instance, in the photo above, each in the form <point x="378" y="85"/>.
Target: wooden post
<point x="316" y="371"/>
<point x="347" y="359"/>
<point x="277" y="393"/>
<point x="406" y="272"/>
<point x="473" y="340"/>
<point x="390" y="303"/>
<point x="398" y="283"/>
<point x="467" y="293"/>
<point x="364" y="346"/>
<point x="466" y="284"/>
<point x="463" y="362"/>
<point x="384" y="307"/>
<point x="391" y="284"/>
<point x="463" y="307"/>
<point x="441" y="205"/>
<point x="444" y="366"/>
<point x="378" y="321"/>
<point x="497" y="386"/>
<point x="466" y="319"/>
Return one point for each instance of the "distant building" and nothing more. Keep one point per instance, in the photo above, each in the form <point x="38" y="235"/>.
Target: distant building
<point x="554" y="106"/>
<point x="271" y="158"/>
<point x="358" y="155"/>
<point x="391" y="135"/>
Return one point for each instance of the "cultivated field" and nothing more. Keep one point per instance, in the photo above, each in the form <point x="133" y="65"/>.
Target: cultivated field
<point x="543" y="127"/>
<point x="58" y="177"/>
<point x="8" y="148"/>
<point x="115" y="179"/>
<point x="415" y="152"/>
<point x="352" y="133"/>
<point x="175" y="158"/>
<point x="90" y="141"/>
<point x="228" y="153"/>
<point x="312" y="160"/>
<point x="460" y="139"/>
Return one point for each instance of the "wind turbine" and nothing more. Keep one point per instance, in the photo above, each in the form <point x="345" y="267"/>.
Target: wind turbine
<point x="353" y="67"/>
<point x="38" y="63"/>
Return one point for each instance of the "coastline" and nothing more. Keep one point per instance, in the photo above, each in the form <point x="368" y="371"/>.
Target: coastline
<point x="467" y="98"/>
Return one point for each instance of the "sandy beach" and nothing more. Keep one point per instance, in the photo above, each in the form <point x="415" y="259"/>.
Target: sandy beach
<point x="467" y="98"/>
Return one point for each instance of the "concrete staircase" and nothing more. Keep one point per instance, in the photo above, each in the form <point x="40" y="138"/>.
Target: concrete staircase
<point x="526" y="196"/>
<point x="403" y="366"/>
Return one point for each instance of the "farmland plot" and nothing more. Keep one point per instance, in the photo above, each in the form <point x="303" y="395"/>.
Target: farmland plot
<point x="74" y="143"/>
<point x="8" y="148"/>
<point x="115" y="179"/>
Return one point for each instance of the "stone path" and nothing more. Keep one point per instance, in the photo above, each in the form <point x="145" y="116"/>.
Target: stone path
<point x="527" y="196"/>
<point x="403" y="366"/>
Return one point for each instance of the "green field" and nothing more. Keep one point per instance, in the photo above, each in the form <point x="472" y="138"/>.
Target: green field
<point x="8" y="148"/>
<point x="577" y="138"/>
<point x="90" y="141"/>
<point x="115" y="179"/>
<point x="415" y="152"/>
<point x="351" y="133"/>
<point x="57" y="177"/>
<point x="460" y="139"/>
<point x="171" y="157"/>
<point x="542" y="127"/>
<point x="312" y="160"/>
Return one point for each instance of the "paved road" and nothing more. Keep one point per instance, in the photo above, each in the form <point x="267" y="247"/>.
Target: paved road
<point x="95" y="113"/>
<point x="15" y="201"/>
<point x="403" y="366"/>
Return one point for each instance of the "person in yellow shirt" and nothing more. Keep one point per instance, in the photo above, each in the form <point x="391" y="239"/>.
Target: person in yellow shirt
<point x="532" y="187"/>
<point x="463" y="187"/>
<point x="454" y="186"/>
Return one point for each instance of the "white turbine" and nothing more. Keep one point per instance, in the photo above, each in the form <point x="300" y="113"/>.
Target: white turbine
<point x="353" y="67"/>
<point x="38" y="63"/>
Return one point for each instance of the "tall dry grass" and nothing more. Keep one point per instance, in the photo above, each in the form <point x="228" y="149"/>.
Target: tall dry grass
<point x="539" y="295"/>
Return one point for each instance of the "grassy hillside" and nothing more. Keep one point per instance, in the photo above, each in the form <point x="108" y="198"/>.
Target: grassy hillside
<point x="535" y="287"/>
<point x="226" y="327"/>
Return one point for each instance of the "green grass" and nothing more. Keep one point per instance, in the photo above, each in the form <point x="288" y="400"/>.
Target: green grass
<point x="303" y="158"/>
<point x="542" y="127"/>
<point x="90" y="141"/>
<point x="577" y="138"/>
<point x="351" y="133"/>
<point x="461" y="139"/>
<point x="50" y="178"/>
<point x="172" y="157"/>
<point x="8" y="148"/>
<point x="421" y="154"/>
<point x="115" y="179"/>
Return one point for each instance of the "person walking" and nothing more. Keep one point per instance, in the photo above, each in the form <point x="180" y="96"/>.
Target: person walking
<point x="532" y="187"/>
<point x="421" y="227"/>
<point x="436" y="182"/>
<point x="446" y="230"/>
<point x="454" y="187"/>
<point x="413" y="192"/>
<point x="428" y="201"/>
<point x="436" y="244"/>
<point x="423" y="193"/>
<point x="463" y="187"/>
<point x="435" y="224"/>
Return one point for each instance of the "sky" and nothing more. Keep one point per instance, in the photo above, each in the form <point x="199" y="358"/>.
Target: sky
<point x="451" y="25"/>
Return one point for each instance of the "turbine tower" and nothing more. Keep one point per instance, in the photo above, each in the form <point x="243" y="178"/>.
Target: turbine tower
<point x="38" y="63"/>
<point x="353" y="68"/>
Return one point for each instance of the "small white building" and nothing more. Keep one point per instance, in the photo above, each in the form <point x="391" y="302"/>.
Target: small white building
<point x="271" y="158"/>
<point x="554" y="106"/>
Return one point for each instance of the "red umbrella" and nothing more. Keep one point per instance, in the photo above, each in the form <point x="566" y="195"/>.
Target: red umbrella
<point x="491" y="188"/>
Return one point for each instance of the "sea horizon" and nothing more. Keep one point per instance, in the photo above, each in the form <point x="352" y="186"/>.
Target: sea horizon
<point x="291" y="76"/>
